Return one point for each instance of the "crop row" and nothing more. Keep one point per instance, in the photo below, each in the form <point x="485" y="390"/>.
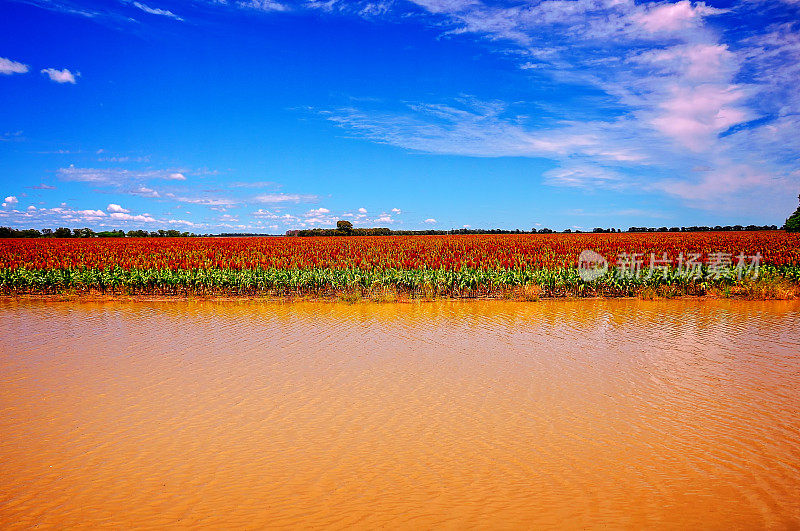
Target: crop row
<point x="441" y="282"/>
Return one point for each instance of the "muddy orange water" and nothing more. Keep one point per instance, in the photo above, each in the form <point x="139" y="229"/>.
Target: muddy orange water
<point x="451" y="414"/>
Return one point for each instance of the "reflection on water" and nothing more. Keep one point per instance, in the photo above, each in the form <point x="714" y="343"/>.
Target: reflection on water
<point x="454" y="414"/>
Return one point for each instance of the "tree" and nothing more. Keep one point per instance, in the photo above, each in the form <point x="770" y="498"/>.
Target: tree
<point x="793" y="222"/>
<point x="344" y="226"/>
<point x="62" y="232"/>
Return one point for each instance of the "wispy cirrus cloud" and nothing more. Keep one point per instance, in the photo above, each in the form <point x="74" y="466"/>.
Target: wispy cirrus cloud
<point x="156" y="11"/>
<point x="205" y="201"/>
<point x="285" y="198"/>
<point x="263" y="5"/>
<point x="685" y="95"/>
<point x="117" y="176"/>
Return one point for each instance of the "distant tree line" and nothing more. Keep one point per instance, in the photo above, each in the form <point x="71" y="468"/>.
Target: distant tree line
<point x="243" y="234"/>
<point x="345" y="228"/>
<point x="64" y="232"/>
<point x="716" y="228"/>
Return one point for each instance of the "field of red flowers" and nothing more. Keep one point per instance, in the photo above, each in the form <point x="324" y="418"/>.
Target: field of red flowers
<point x="540" y="251"/>
<point x="452" y="266"/>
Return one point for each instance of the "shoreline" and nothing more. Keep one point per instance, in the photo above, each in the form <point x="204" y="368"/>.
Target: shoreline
<point x="395" y="298"/>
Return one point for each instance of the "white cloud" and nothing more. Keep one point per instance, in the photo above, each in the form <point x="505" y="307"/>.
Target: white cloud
<point x="284" y="198"/>
<point x="719" y="187"/>
<point x="183" y="222"/>
<point x="114" y="208"/>
<point x="143" y="218"/>
<point x="91" y="215"/>
<point x="362" y="210"/>
<point x="584" y="176"/>
<point x="11" y="200"/>
<point x="317" y="212"/>
<point x="695" y="115"/>
<point x="487" y="129"/>
<point x="397" y="211"/>
<point x="207" y="201"/>
<point x="676" y="94"/>
<point x="144" y="191"/>
<point x="8" y="67"/>
<point x="672" y="17"/>
<point x="65" y="216"/>
<point x="263" y="5"/>
<point x="60" y="76"/>
<point x="253" y="184"/>
<point x="156" y="11"/>
<point x="430" y="220"/>
<point x="261" y="213"/>
<point x="116" y="176"/>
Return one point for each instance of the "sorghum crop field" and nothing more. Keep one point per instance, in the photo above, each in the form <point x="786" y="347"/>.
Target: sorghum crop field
<point x="753" y="264"/>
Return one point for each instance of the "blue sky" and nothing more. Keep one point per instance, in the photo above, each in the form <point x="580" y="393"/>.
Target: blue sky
<point x="263" y="116"/>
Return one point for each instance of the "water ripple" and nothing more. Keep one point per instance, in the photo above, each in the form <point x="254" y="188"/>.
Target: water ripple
<point x="448" y="414"/>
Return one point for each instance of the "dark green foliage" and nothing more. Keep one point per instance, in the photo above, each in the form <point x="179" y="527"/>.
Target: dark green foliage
<point x="466" y="282"/>
<point x="793" y="222"/>
<point x="344" y="227"/>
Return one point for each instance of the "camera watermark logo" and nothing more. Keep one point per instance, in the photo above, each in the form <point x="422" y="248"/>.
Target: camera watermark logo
<point x="591" y="265"/>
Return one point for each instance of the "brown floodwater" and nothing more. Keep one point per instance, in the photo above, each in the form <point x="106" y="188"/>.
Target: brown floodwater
<point x="616" y="414"/>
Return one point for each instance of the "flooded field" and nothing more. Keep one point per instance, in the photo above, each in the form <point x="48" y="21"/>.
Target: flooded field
<point x="450" y="414"/>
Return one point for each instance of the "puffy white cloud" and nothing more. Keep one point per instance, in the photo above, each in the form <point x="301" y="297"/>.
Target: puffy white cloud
<point x="430" y="220"/>
<point x="695" y="115"/>
<point x="60" y="76"/>
<point x="183" y="222"/>
<point x="362" y="210"/>
<point x="11" y="200"/>
<point x="397" y="211"/>
<point x="8" y="67"/>
<point x="90" y="215"/>
<point x="143" y="218"/>
<point x="674" y="16"/>
<point x="177" y="176"/>
<point x="112" y="207"/>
